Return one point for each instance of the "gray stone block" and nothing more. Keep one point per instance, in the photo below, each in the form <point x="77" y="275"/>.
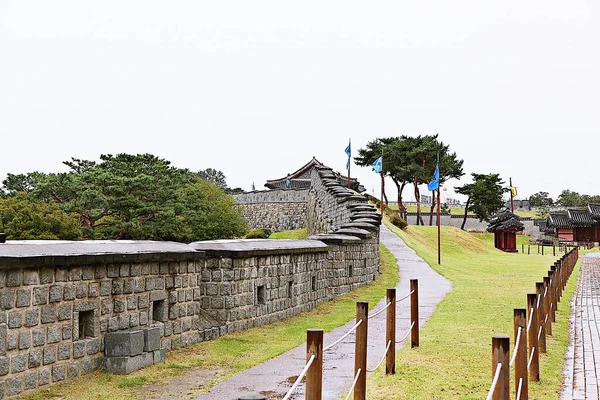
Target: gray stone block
<point x="14" y="278"/>
<point x="24" y="340"/>
<point x="15" y="319"/>
<point x="56" y="293"/>
<point x="3" y="338"/>
<point x="18" y="363"/>
<point x="48" y="314"/>
<point x="49" y="354"/>
<point x="39" y="337"/>
<point x="92" y="346"/>
<point x="126" y="365"/>
<point x="124" y="343"/>
<point x="4" y="366"/>
<point x="7" y="299"/>
<point x="14" y="385"/>
<point x="152" y="338"/>
<point x="32" y="318"/>
<point x="64" y="312"/>
<point x="79" y="349"/>
<point x="73" y="370"/>
<point x="40" y="295"/>
<point x="35" y="358"/>
<point x="59" y="373"/>
<point x="46" y="275"/>
<point x="64" y="351"/>
<point x="54" y="334"/>
<point x="30" y="381"/>
<point x="44" y="376"/>
<point x="159" y="356"/>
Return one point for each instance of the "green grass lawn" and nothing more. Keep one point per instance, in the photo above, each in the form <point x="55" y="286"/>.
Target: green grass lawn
<point x="454" y="357"/>
<point x="232" y="353"/>
<point x="293" y="234"/>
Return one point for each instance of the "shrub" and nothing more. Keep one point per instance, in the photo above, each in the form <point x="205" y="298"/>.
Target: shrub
<point x="398" y="221"/>
<point x="259" y="233"/>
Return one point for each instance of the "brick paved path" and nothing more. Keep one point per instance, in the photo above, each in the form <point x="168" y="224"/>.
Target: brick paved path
<point x="582" y="370"/>
<point x="273" y="378"/>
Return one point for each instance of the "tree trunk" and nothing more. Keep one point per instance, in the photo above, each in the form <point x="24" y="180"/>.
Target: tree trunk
<point x="432" y="207"/>
<point x="466" y="211"/>
<point x="400" y="188"/>
<point x="418" y="199"/>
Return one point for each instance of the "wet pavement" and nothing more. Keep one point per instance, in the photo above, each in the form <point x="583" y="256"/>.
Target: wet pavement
<point x="582" y="368"/>
<point x="274" y="378"/>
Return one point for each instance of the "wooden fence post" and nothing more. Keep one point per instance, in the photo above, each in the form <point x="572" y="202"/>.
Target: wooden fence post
<point x="552" y="292"/>
<point x="528" y="249"/>
<point x="520" y="321"/>
<point x="360" y="350"/>
<point x="500" y="348"/>
<point x="534" y="369"/>
<point x="548" y="311"/>
<point x="390" y="332"/>
<point x="414" y="313"/>
<point x="314" y="376"/>
<point x="541" y="313"/>
<point x="554" y="249"/>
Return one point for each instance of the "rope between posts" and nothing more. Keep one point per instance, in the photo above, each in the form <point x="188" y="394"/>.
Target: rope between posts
<point x="300" y="377"/>
<point x="343" y="337"/>
<point x="531" y="357"/>
<point x="353" y="384"/>
<point x="538" y="301"/>
<point x="546" y="319"/>
<point x="380" y="311"/>
<point x="407" y="333"/>
<point x="540" y="333"/>
<point x="381" y="362"/>
<point x="516" y="349"/>
<point x="530" y="319"/>
<point x="546" y="291"/>
<point x="405" y="297"/>
<point x="520" y="388"/>
<point x="494" y="382"/>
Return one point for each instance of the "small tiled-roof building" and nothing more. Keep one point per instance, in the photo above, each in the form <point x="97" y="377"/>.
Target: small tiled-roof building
<point x="300" y="179"/>
<point x="577" y="225"/>
<point x="505" y="227"/>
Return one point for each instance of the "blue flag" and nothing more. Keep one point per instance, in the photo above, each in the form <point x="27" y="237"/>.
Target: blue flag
<point x="377" y="165"/>
<point x="348" y="151"/>
<point x="435" y="182"/>
<point x="253" y="188"/>
<point x="348" y="165"/>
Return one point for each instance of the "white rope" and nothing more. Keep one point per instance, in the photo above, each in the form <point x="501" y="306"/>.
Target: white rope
<point x="345" y="335"/>
<point x="530" y="319"/>
<point x="353" y="384"/>
<point x="494" y="382"/>
<point x="546" y="319"/>
<point x="531" y="357"/>
<point x="516" y="349"/>
<point x="405" y="297"/>
<point x="381" y="362"/>
<point x="540" y="333"/>
<point x="520" y="388"/>
<point x="302" y="374"/>
<point x="546" y="291"/>
<point x="538" y="301"/>
<point x="407" y="333"/>
<point x="380" y="311"/>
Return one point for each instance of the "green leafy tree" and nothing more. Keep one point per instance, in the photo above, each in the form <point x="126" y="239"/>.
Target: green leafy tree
<point x="214" y="176"/>
<point x="209" y="213"/>
<point x="22" y="219"/>
<point x="484" y="196"/>
<point x="540" y="199"/>
<point x="568" y="198"/>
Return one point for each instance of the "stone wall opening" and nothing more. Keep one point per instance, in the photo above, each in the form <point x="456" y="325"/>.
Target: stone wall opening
<point x="159" y="311"/>
<point x="86" y="324"/>
<point x="260" y="294"/>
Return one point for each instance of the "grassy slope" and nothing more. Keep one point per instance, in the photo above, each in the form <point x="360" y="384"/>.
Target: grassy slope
<point x="454" y="359"/>
<point x="294" y="234"/>
<point x="233" y="353"/>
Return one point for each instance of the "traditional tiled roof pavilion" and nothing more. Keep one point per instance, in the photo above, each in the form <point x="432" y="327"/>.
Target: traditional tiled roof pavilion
<point x="505" y="226"/>
<point x="577" y="225"/>
<point x="300" y="179"/>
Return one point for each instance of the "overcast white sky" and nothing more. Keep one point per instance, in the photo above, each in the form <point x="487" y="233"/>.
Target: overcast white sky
<point x="256" y="88"/>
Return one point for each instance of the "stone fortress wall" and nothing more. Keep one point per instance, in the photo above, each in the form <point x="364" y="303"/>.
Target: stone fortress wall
<point x="278" y="209"/>
<point x="68" y="307"/>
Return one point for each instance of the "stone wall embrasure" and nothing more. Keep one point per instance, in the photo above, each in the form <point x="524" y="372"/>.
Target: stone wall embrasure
<point x="278" y="210"/>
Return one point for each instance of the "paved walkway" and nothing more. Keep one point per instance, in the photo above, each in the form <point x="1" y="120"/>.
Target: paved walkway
<point x="273" y="378"/>
<point x="582" y="370"/>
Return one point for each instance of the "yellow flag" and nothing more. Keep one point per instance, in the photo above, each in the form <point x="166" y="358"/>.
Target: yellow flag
<point x="513" y="190"/>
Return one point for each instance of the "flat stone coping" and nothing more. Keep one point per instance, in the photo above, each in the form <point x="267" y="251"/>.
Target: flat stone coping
<point x="332" y="238"/>
<point x="44" y="252"/>
<point x="255" y="247"/>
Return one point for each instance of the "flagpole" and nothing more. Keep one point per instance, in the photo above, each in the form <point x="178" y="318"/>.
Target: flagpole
<point x="349" y="143"/>
<point x="382" y="183"/>
<point x="439" y="199"/>
<point x="512" y="206"/>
